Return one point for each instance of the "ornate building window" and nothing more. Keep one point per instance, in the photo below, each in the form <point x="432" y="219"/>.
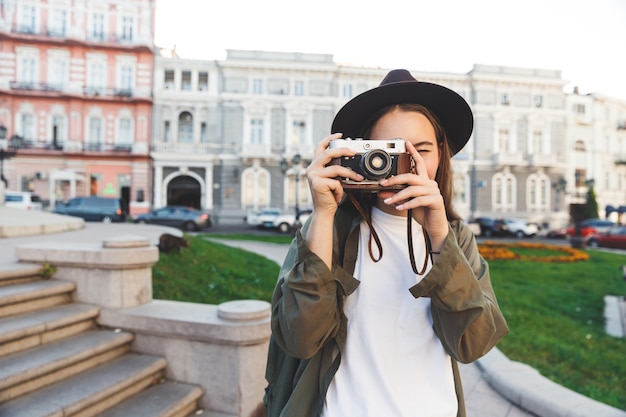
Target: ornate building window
<point x="538" y="192"/>
<point x="96" y="136"/>
<point x="28" y="126"/>
<point x="256" y="131"/>
<point x="255" y="191"/>
<point x="185" y="127"/>
<point x="125" y="131"/>
<point x="503" y="194"/>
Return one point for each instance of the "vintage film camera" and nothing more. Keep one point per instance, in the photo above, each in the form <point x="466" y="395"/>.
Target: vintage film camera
<point x="375" y="160"/>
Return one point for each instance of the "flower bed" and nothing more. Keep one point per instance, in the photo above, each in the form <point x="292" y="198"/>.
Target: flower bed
<point x="506" y="251"/>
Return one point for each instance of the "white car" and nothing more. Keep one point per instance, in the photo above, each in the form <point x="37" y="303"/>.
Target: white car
<point x="263" y="218"/>
<point x="287" y="222"/>
<point x="273" y="218"/>
<point x="22" y="200"/>
<point x="519" y="228"/>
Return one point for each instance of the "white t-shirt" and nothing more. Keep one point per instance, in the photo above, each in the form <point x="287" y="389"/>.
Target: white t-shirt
<point x="394" y="364"/>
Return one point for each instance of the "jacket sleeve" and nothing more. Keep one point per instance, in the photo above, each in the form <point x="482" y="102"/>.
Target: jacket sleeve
<point x="466" y="316"/>
<point x="306" y="310"/>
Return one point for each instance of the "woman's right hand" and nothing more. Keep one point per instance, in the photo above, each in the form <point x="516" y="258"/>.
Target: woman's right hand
<point x="326" y="192"/>
<point x="326" y="189"/>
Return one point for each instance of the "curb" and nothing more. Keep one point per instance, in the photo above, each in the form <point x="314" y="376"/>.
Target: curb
<point x="531" y="391"/>
<point x="18" y="222"/>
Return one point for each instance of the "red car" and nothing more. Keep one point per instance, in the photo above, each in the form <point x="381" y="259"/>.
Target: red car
<point x="590" y="226"/>
<point x="614" y="238"/>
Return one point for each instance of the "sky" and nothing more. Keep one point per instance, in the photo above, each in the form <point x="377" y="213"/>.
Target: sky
<point x="584" y="39"/>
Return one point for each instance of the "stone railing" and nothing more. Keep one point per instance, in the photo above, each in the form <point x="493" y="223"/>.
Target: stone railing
<point x="222" y="348"/>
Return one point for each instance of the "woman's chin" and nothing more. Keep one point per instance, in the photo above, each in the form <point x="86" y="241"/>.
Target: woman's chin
<point x="383" y="195"/>
<point x="390" y="209"/>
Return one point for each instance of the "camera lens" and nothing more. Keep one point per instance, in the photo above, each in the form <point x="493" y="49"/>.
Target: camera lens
<point x="375" y="164"/>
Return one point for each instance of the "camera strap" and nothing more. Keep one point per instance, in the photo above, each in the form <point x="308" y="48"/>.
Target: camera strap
<point x="379" y="246"/>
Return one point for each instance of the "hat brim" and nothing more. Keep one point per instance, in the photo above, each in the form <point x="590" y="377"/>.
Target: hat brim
<point x="450" y="108"/>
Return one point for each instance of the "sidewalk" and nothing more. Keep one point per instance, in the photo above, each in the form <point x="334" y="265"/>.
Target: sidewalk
<point x="494" y="386"/>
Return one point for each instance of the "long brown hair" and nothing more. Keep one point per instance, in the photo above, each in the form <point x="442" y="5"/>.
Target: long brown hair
<point x="444" y="175"/>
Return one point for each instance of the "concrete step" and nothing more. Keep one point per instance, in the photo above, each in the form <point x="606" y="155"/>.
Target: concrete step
<point x="13" y="272"/>
<point x="92" y="392"/>
<point x="32" y="369"/>
<point x="169" y="399"/>
<point x="31" y="296"/>
<point x="28" y="330"/>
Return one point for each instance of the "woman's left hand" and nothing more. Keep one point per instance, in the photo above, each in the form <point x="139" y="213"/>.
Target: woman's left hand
<point x="421" y="194"/>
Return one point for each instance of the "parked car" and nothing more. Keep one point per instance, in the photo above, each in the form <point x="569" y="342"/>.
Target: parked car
<point x="22" y="200"/>
<point x="559" y="233"/>
<point x="590" y="226"/>
<point x="488" y="226"/>
<point x="519" y="228"/>
<point x="95" y="209"/>
<point x="615" y="238"/>
<point x="287" y="221"/>
<point x="274" y="218"/>
<point x="266" y="217"/>
<point x="185" y="218"/>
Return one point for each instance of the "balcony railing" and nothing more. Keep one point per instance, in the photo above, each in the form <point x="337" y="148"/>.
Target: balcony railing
<point x="101" y="147"/>
<point x="186" y="148"/>
<point x="28" y="85"/>
<point x="541" y="160"/>
<point x="90" y="36"/>
<point x="19" y="143"/>
<point x="108" y="91"/>
<point x="87" y="90"/>
<point x="507" y="158"/>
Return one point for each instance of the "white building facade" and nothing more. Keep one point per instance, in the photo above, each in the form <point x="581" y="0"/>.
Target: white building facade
<point x="220" y="130"/>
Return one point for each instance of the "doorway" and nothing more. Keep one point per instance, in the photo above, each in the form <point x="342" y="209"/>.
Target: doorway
<point x="184" y="191"/>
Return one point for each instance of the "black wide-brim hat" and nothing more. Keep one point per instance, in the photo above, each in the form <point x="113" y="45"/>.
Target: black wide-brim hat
<point x="400" y="87"/>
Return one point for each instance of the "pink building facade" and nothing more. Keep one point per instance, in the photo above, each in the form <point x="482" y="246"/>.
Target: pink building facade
<point x="75" y="98"/>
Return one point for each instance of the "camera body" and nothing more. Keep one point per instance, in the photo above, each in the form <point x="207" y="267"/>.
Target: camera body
<point x="375" y="160"/>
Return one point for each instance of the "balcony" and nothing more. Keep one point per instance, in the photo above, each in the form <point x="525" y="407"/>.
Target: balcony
<point x="541" y="160"/>
<point x="30" y="146"/>
<point x="185" y="148"/>
<point x="508" y="158"/>
<point x="59" y="34"/>
<point x="33" y="86"/>
<point x="107" y="92"/>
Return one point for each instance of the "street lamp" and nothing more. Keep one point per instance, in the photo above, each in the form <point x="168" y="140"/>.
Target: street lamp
<point x="284" y="166"/>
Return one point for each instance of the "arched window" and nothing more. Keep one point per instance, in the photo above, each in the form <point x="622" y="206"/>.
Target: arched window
<point x="185" y="127"/>
<point x="28" y="124"/>
<point x="580" y="145"/>
<point x="125" y="131"/>
<point x="96" y="133"/>
<point x="538" y="192"/>
<point x="255" y="192"/>
<point x="503" y="193"/>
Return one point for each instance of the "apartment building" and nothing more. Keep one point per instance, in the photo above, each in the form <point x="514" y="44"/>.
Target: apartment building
<point x="518" y="149"/>
<point x="596" y="152"/>
<point x="235" y="134"/>
<point x="75" y="98"/>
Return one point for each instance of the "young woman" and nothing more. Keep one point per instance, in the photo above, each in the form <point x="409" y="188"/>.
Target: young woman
<point x="384" y="291"/>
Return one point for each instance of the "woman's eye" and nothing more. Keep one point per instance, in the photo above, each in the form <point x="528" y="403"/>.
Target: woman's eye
<point x="423" y="150"/>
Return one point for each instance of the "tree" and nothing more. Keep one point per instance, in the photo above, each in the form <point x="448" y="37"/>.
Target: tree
<point x="591" y="204"/>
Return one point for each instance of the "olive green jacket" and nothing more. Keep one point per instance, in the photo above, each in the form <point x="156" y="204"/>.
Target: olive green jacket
<point x="309" y="327"/>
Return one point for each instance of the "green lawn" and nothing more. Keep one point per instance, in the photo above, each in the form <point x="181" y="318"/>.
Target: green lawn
<point x="555" y="310"/>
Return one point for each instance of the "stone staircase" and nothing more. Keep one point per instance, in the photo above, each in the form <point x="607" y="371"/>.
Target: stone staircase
<point x="56" y="361"/>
